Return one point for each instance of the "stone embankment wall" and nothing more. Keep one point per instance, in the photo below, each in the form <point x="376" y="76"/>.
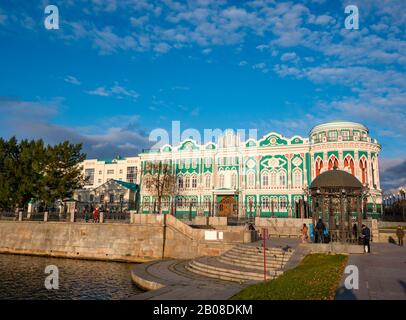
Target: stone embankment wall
<point x="148" y="237"/>
<point x="282" y="227"/>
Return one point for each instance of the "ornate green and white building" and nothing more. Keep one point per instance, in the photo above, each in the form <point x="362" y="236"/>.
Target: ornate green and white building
<point x="266" y="177"/>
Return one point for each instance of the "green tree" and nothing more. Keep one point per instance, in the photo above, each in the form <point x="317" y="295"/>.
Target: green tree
<point x="31" y="170"/>
<point x="62" y="173"/>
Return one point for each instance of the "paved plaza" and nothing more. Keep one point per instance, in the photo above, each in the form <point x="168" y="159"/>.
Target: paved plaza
<point x="382" y="274"/>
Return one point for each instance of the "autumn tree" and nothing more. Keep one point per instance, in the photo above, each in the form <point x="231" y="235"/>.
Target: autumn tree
<point x="160" y="181"/>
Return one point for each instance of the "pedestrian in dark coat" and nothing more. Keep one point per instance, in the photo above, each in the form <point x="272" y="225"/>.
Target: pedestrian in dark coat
<point x="366" y="237"/>
<point x="400" y="234"/>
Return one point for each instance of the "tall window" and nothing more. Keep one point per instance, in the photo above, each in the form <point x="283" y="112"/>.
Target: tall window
<point x="332" y="163"/>
<point x="208" y="181"/>
<point x="187" y="182"/>
<point x="265" y="180"/>
<point x="194" y="182"/>
<point x="297" y="178"/>
<point x="349" y="164"/>
<point x="131" y="174"/>
<point x="363" y="167"/>
<point x="180" y="182"/>
<point x="282" y="179"/>
<point x="273" y="179"/>
<point x="319" y="166"/>
<point x="265" y="203"/>
<point x="283" y="203"/>
<point x="251" y="179"/>
<point x="233" y="180"/>
<point x="89" y="176"/>
<point x="221" y="180"/>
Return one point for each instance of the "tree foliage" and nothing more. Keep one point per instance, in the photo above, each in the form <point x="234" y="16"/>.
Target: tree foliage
<point x="160" y="181"/>
<point x="32" y="170"/>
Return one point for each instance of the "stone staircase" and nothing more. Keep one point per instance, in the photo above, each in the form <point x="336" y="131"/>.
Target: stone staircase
<point x="244" y="262"/>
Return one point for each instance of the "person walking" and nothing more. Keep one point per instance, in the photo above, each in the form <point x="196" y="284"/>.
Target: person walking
<point x="320" y="227"/>
<point x="355" y="232"/>
<point x="366" y="237"/>
<point x="96" y="215"/>
<point x="304" y="230"/>
<point x="400" y="234"/>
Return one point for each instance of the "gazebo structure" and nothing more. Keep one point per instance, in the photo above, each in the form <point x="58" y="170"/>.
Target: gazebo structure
<point x="337" y="200"/>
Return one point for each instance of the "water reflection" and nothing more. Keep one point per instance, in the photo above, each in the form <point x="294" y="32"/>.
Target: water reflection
<point x="22" y="277"/>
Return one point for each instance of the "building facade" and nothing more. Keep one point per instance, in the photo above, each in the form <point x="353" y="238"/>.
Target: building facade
<point x="269" y="177"/>
<point x="97" y="172"/>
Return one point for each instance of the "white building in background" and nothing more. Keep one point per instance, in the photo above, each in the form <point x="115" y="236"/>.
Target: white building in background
<point x="97" y="172"/>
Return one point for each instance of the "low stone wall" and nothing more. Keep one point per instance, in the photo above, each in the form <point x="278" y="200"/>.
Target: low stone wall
<point x="334" y="247"/>
<point x="282" y="227"/>
<point x="388" y="236"/>
<point x="148" y="237"/>
<point x="211" y="221"/>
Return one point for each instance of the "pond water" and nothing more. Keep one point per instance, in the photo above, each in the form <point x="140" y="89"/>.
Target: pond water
<point x="23" y="277"/>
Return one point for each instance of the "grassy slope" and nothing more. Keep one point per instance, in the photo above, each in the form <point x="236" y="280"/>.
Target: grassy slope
<point x="315" y="278"/>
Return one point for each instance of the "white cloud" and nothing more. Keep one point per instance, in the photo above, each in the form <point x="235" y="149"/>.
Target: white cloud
<point x="117" y="91"/>
<point x="260" y="65"/>
<point x="288" y="56"/>
<point x="72" y="80"/>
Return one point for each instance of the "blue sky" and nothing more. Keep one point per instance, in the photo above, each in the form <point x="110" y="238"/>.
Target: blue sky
<point x="115" y="70"/>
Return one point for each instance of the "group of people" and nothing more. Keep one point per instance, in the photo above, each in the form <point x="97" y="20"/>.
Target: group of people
<point x="320" y="234"/>
<point x="88" y="213"/>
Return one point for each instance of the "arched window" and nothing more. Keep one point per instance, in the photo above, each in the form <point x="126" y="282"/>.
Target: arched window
<point x="221" y="180"/>
<point x="265" y="203"/>
<point x="283" y="203"/>
<point x="282" y="179"/>
<point x="363" y="168"/>
<point x="297" y="178"/>
<point x="187" y="182"/>
<point x="180" y="182"/>
<point x="233" y="180"/>
<point x="208" y="181"/>
<point x="265" y="179"/>
<point x="251" y="179"/>
<point x="273" y="179"/>
<point x="194" y="182"/>
<point x="349" y="164"/>
<point x="319" y="166"/>
<point x="333" y="163"/>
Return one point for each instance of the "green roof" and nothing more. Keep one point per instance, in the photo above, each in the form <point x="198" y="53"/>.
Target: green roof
<point x="128" y="185"/>
<point x="107" y="161"/>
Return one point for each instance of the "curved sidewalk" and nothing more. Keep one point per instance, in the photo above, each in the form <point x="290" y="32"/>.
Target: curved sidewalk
<point x="169" y="280"/>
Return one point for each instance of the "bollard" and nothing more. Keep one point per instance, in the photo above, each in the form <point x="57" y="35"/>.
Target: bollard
<point x="45" y="216"/>
<point x="20" y="216"/>
<point x="101" y="217"/>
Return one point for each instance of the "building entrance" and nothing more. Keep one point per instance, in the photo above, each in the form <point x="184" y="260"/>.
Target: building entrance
<point x="227" y="207"/>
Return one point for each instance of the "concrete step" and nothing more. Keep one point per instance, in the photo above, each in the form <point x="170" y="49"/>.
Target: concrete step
<point x="257" y="266"/>
<point x="258" y="250"/>
<point x="256" y="258"/>
<point x="213" y="266"/>
<point x="218" y="276"/>
<point x="276" y="264"/>
<point x="226" y="273"/>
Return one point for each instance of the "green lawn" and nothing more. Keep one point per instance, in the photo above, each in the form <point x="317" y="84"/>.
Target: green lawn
<point x="315" y="278"/>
